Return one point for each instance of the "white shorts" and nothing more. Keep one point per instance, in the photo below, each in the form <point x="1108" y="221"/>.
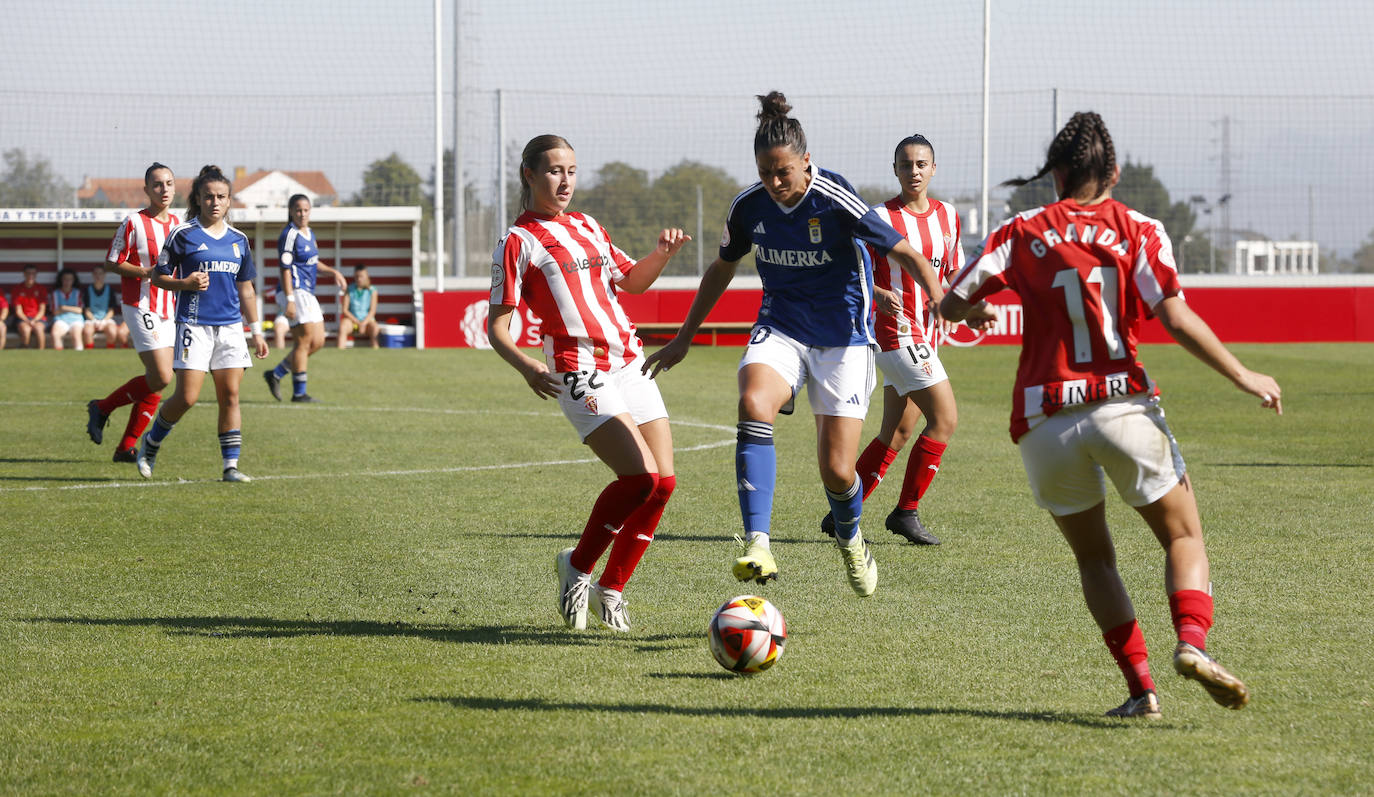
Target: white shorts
<point x="206" y="348"/>
<point x="838" y="379"/>
<point x="1066" y="454"/>
<point x="307" y="309"/>
<point x="590" y="398"/>
<point x="148" y="331"/>
<point x="911" y="368"/>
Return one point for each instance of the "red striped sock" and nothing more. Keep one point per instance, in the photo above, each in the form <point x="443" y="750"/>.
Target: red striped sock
<point x="921" y="468"/>
<point x="634" y="539"/>
<point x="1127" y="646"/>
<point x="1192" y="613"/>
<point x="872" y="465"/>
<point x="139" y="418"/>
<point x="613" y="507"/>
<point x="127" y="393"/>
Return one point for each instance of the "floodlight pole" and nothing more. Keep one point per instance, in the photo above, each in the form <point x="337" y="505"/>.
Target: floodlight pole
<point x="987" y="61"/>
<point x="438" y="146"/>
<point x="460" y="200"/>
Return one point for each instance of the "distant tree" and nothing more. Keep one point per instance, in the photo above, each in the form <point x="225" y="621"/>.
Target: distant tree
<point x="1034" y="194"/>
<point x="390" y="181"/>
<point x="1362" y="259"/>
<point x="32" y="183"/>
<point x="674" y="204"/>
<point x="619" y="197"/>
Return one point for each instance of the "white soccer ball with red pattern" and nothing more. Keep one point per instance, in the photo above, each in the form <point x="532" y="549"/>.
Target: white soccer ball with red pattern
<point x="747" y="634"/>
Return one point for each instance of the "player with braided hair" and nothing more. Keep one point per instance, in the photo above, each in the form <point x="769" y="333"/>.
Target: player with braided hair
<point x="805" y="226"/>
<point x="1088" y="269"/>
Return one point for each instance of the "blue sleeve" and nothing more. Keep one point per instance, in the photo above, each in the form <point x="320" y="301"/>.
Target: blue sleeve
<point x="875" y="230"/>
<point x="247" y="270"/>
<point x="736" y="241"/>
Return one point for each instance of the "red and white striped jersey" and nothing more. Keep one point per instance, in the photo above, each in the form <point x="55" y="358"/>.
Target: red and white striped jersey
<point x="1086" y="275"/>
<point x="138" y="242"/>
<point x="565" y="268"/>
<point x="934" y="234"/>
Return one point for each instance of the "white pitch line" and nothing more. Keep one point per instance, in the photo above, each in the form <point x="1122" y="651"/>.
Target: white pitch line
<point x="409" y="472"/>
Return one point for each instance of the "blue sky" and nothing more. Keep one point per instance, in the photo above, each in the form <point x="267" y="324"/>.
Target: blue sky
<point x="103" y="88"/>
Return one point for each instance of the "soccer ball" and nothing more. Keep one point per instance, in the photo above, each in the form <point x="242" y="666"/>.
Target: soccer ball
<point x="747" y="634"/>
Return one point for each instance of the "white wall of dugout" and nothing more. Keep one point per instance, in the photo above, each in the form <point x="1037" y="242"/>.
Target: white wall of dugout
<point x="385" y="238"/>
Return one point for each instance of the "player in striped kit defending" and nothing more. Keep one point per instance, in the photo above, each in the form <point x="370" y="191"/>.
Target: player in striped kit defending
<point x="564" y="266"/>
<point x="148" y="312"/>
<point x="915" y="382"/>
<point x="814" y="330"/>
<point x="1088" y="269"/>
<point x="211" y="264"/>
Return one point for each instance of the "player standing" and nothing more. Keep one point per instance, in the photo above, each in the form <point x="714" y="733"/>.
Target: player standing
<point x="814" y="330"/>
<point x="300" y="260"/>
<point x="211" y="264"/>
<point x="1087" y="269"/>
<point x="567" y="270"/>
<point x="148" y="312"/>
<point x="914" y="382"/>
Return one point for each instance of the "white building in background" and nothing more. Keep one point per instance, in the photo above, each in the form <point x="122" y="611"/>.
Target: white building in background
<point x="1275" y="257"/>
<point x="271" y="189"/>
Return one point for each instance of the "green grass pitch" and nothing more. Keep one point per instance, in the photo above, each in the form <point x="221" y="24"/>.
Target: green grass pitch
<point x="375" y="614"/>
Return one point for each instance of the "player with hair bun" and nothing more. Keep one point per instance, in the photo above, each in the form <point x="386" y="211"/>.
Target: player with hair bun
<point x="300" y="263"/>
<point x="915" y="382"/>
<point x="564" y="266"/>
<point x="211" y="265"/>
<point x="814" y="330"/>
<point x="1088" y="269"/>
<point x="148" y="313"/>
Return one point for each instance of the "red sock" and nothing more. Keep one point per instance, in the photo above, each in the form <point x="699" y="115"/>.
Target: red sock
<point x="127" y="393"/>
<point x="1127" y="646"/>
<point x="872" y="465"/>
<point x="633" y="541"/>
<point x="615" y="504"/>
<point x="921" y="467"/>
<point x="139" y="417"/>
<point x="1192" y="613"/>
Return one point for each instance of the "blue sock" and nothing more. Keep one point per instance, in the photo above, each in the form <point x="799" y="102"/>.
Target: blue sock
<point x="230" y="443"/>
<point x="282" y="369"/>
<point x="158" y="431"/>
<point x="298" y="384"/>
<point x="756" y="468"/>
<point x="846" y="508"/>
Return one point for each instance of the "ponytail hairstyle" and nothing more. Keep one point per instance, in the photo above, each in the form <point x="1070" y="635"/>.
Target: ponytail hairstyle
<point x="1084" y="151"/>
<point x="148" y="173"/>
<point x="776" y="128"/>
<point x="916" y="139"/>
<point x="208" y="174"/>
<point x="290" y="203"/>
<point x="531" y="157"/>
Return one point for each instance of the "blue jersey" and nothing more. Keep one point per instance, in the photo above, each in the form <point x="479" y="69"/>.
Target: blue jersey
<point x="228" y="261"/>
<point x="297" y="251"/>
<point x="817" y="278"/>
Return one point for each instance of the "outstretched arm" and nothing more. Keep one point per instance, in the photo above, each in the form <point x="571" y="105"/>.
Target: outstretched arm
<point x="1193" y="334"/>
<point x="651" y="265"/>
<point x="713" y="284"/>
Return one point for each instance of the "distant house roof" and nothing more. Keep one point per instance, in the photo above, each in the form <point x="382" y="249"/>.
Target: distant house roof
<point x="122" y="192"/>
<point x="127" y="192"/>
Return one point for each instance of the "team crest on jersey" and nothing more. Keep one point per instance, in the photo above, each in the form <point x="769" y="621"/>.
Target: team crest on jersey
<point x="949" y="242"/>
<point x="236" y="249"/>
<point x="590" y="401"/>
<point x="813" y="226"/>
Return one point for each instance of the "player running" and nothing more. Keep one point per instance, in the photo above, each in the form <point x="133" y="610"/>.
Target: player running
<point x="300" y="260"/>
<point x="567" y="270"/>
<point x="148" y="312"/>
<point x="914" y="380"/>
<point x="814" y="330"/>
<point x="211" y="264"/>
<point x="1087" y="269"/>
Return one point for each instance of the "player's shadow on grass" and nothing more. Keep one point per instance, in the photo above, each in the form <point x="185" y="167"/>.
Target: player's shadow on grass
<point x="572" y="536"/>
<point x="273" y="628"/>
<point x="785" y="712"/>
<point x="67" y="479"/>
<point x="1289" y="465"/>
<point x="31" y="460"/>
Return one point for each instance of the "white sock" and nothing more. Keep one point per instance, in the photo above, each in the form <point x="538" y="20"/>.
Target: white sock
<point x="759" y="537"/>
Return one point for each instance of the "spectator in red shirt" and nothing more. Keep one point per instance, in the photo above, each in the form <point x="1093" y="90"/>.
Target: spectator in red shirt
<point x="30" y="302"/>
<point x="4" y="320"/>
